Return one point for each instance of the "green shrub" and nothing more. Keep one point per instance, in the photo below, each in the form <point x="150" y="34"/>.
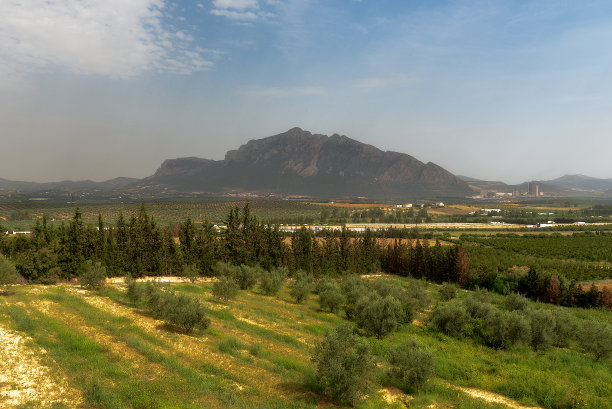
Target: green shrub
<point x="247" y="276"/>
<point x="93" y="276"/>
<point x="411" y="365"/>
<point x="565" y="329"/>
<point x="481" y="294"/>
<point x="330" y="295"/>
<point x="133" y="289"/>
<point x="477" y="309"/>
<point x="222" y="269"/>
<point x="596" y="339"/>
<point x="417" y="291"/>
<point x="378" y="315"/>
<point x="178" y="310"/>
<point x="449" y="318"/>
<point x="353" y="287"/>
<point x="184" y="312"/>
<point x="272" y="281"/>
<point x="409" y="299"/>
<point x="516" y="302"/>
<point x="542" y="329"/>
<point x="301" y="286"/>
<point x="447" y="291"/>
<point x="225" y="288"/>
<point x="8" y="272"/>
<point x="344" y="365"/>
<point x="191" y="272"/>
<point x="506" y="329"/>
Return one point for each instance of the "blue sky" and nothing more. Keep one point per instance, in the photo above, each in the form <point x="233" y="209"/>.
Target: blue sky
<point x="505" y="90"/>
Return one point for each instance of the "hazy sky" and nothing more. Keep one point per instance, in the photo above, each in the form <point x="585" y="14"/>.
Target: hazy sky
<point x="506" y="90"/>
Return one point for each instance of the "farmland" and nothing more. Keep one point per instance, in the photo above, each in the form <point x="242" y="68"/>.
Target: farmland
<point x="97" y="349"/>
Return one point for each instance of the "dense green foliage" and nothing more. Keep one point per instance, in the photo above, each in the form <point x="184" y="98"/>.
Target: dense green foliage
<point x="412" y="364"/>
<point x="179" y="310"/>
<point x="344" y="364"/>
<point x="8" y="272"/>
<point x="250" y="251"/>
<point x="225" y="288"/>
<point x="93" y="275"/>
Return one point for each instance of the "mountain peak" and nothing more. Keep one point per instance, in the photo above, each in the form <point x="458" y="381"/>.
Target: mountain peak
<point x="298" y="162"/>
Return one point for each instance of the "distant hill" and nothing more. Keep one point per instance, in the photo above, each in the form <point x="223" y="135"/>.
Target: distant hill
<point x="298" y="162"/>
<point x="66" y="189"/>
<point x="582" y="183"/>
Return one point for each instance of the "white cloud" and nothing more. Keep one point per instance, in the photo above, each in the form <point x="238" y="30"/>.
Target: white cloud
<point x="114" y="38"/>
<point x="236" y="4"/>
<point x="242" y="10"/>
<point x="235" y="15"/>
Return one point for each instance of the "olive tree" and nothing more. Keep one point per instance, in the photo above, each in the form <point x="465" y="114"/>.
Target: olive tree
<point x="412" y="365"/>
<point x="344" y="365"/>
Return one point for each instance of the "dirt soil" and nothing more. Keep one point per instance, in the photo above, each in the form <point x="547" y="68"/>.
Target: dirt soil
<point x="24" y="379"/>
<point x="490" y="397"/>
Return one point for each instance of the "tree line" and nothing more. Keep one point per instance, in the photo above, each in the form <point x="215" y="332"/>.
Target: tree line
<point x="139" y="246"/>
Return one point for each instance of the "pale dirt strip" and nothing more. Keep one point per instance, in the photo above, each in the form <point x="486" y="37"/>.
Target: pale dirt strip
<point x="489" y="397"/>
<point x="24" y="379"/>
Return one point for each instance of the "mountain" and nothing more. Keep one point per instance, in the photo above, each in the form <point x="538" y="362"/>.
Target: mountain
<point x="582" y="183"/>
<point x="300" y="163"/>
<point x="66" y="186"/>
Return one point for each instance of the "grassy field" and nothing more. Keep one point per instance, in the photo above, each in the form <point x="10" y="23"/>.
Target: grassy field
<point x="75" y="348"/>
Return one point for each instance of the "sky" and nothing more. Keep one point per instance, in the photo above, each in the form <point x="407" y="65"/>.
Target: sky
<point x="497" y="90"/>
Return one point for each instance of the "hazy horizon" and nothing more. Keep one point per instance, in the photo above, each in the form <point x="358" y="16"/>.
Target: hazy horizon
<point x="509" y="91"/>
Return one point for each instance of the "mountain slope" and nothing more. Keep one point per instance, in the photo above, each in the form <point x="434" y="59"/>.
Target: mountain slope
<point x="300" y="163"/>
<point x="582" y="183"/>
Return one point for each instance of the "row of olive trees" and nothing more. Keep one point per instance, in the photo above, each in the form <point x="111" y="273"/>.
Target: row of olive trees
<point x="180" y="311"/>
<point x="518" y="323"/>
<point x="346" y="367"/>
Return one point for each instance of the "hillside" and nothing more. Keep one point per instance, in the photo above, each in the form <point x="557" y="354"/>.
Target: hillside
<point x="78" y="348"/>
<point x="300" y="163"/>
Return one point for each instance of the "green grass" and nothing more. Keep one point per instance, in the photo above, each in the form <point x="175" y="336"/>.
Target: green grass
<point x="265" y="362"/>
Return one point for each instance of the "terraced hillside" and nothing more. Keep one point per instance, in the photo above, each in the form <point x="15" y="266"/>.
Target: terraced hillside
<point x="64" y="347"/>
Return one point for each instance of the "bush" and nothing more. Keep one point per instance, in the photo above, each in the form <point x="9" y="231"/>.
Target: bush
<point x="516" y="302"/>
<point x="449" y="318"/>
<point x="330" y="295"/>
<point x="185" y="312"/>
<point x="225" y="288"/>
<point x="133" y="289"/>
<point x="247" y="276"/>
<point x="565" y="328"/>
<point x="412" y="365"/>
<point x="477" y="309"/>
<point x="178" y="310"/>
<point x="417" y="291"/>
<point x="222" y="269"/>
<point x="8" y="272"/>
<point x="447" y="291"/>
<point x="481" y="294"/>
<point x="353" y="287"/>
<point x="344" y="365"/>
<point x="302" y="286"/>
<point x="542" y="329"/>
<point x="93" y="276"/>
<point x="272" y="281"/>
<point x="506" y="329"/>
<point x="191" y="272"/>
<point x="409" y="299"/>
<point x="378" y="315"/>
<point x="596" y="339"/>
